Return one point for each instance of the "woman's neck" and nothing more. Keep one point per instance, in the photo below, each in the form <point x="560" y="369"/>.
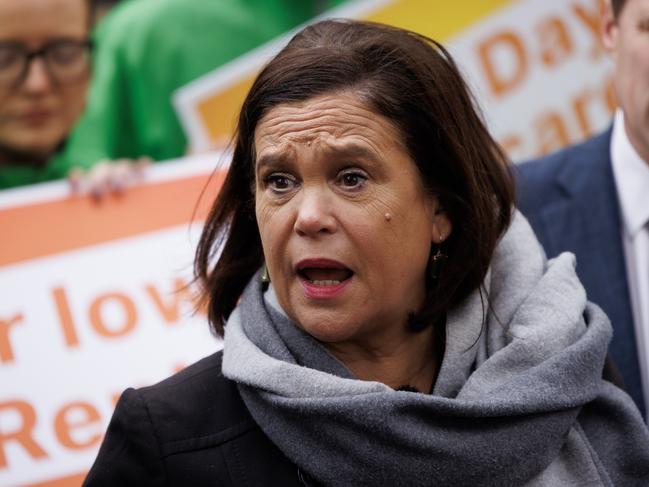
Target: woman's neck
<point x="411" y="359"/>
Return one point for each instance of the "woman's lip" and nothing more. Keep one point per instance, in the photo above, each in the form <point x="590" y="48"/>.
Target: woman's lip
<point x="320" y="263"/>
<point x="315" y="290"/>
<point x="318" y="291"/>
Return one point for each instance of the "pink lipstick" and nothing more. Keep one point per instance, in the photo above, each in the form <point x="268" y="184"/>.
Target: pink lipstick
<point x="323" y="278"/>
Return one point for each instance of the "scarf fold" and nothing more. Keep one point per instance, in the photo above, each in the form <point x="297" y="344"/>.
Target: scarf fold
<point x="522" y="358"/>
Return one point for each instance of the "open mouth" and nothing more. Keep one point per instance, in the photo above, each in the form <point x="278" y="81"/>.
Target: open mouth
<point x="325" y="277"/>
<point x="324" y="272"/>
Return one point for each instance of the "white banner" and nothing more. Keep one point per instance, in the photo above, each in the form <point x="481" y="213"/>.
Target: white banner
<point x="84" y="321"/>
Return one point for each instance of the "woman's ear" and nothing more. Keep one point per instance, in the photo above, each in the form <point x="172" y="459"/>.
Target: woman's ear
<point x="442" y="226"/>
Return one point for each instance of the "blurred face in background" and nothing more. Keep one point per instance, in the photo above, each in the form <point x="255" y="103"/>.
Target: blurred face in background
<point x="627" y="39"/>
<point x="44" y="72"/>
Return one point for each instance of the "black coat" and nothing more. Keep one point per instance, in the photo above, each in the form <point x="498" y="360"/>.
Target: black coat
<point x="192" y="429"/>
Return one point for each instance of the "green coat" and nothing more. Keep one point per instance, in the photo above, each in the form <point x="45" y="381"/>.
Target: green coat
<point x="149" y="48"/>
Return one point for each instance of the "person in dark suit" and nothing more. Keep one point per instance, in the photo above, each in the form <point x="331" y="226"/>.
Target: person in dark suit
<point x="590" y="199"/>
<point x="389" y="318"/>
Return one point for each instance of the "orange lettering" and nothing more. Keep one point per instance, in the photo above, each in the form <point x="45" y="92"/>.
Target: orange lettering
<point x="24" y="434"/>
<point x="65" y="317"/>
<point x="6" y="352"/>
<point x="503" y="42"/>
<point x="592" y="21"/>
<point x="97" y="318"/>
<point x="170" y="310"/>
<point x="556" y="44"/>
<point x="580" y="107"/>
<point x="64" y="425"/>
<point x="115" y="397"/>
<point x="510" y="143"/>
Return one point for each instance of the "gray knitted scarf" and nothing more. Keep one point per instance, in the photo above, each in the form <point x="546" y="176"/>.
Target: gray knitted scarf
<point x="519" y="398"/>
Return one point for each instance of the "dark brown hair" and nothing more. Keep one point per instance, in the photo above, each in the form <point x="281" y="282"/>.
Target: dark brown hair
<point x="412" y="81"/>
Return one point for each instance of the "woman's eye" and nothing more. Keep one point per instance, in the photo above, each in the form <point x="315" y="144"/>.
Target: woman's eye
<point x="280" y="183"/>
<point x="352" y="180"/>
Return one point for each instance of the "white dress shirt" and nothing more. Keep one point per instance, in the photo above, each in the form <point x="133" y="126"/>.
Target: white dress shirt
<point x="631" y="174"/>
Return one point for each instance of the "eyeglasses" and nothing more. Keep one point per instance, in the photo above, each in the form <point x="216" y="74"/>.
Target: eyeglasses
<point x="66" y="61"/>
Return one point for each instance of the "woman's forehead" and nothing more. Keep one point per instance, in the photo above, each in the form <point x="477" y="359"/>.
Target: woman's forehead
<point x="335" y="120"/>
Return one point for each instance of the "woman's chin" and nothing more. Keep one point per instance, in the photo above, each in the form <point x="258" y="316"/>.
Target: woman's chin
<point x="328" y="327"/>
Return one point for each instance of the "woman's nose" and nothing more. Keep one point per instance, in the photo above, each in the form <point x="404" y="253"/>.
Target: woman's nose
<point x="314" y="214"/>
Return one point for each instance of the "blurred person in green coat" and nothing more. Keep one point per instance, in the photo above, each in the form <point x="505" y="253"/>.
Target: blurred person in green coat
<point x="146" y="49"/>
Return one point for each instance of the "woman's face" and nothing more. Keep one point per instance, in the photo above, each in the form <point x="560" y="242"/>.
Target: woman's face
<point x="345" y="223"/>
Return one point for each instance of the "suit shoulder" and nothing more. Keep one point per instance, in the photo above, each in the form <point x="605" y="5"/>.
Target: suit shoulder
<point x="547" y="166"/>
<point x="537" y="179"/>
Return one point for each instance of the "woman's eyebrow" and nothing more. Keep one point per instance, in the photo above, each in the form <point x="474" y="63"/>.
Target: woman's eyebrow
<point x="273" y="159"/>
<point x="352" y="151"/>
<point x="344" y="151"/>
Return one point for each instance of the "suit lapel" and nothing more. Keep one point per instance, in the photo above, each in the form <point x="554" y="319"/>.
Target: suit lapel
<point x="588" y="219"/>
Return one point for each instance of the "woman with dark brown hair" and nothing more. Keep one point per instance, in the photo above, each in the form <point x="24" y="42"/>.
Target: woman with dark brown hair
<point x="388" y="317"/>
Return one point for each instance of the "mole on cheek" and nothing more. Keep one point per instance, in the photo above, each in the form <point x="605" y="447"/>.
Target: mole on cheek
<point x="388" y="217"/>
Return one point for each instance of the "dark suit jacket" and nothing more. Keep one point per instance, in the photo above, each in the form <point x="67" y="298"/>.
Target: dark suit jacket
<point x="571" y="202"/>
<point x="192" y="429"/>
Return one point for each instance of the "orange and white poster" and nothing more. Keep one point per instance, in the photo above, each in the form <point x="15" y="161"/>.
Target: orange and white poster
<point x="537" y="68"/>
<point x="95" y="297"/>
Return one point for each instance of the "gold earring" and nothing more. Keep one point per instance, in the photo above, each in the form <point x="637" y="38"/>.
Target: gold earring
<point x="265" y="277"/>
